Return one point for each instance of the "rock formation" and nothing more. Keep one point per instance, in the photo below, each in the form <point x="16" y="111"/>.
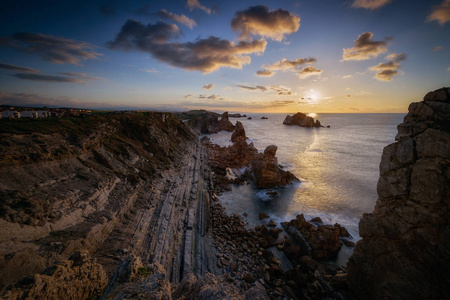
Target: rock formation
<point x="267" y="172"/>
<point x="239" y="132"/>
<point x="206" y="122"/>
<point x="302" y="120"/>
<point x="224" y="123"/>
<point x="404" y="252"/>
<point x="78" y="278"/>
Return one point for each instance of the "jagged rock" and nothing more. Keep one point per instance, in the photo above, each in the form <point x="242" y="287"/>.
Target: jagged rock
<point x="238" y="155"/>
<point x="77" y="278"/>
<point x="404" y="252"/>
<point x="302" y="120"/>
<point x="267" y="172"/>
<point x="224" y="123"/>
<point x="239" y="132"/>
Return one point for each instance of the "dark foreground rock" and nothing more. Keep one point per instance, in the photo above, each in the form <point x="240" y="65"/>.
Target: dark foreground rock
<point x="302" y="120"/>
<point x="404" y="252"/>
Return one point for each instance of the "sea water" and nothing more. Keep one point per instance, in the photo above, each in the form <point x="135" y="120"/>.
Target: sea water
<point x="338" y="168"/>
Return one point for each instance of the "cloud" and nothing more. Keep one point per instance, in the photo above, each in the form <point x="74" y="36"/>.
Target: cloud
<point x="205" y="55"/>
<point x="347" y="76"/>
<point x="152" y="70"/>
<point x="18" y="68"/>
<point x="437" y="48"/>
<point x="258" y="20"/>
<point x="195" y="4"/>
<point x="253" y="88"/>
<point x="285" y="64"/>
<point x="108" y="10"/>
<point x="370" y="4"/>
<point x="189" y="96"/>
<point x="440" y="13"/>
<point x="211" y="97"/>
<point x="385" y="71"/>
<point x="278" y="89"/>
<point x="57" y="50"/>
<point x="27" y="99"/>
<point x="265" y="73"/>
<point x="281" y="90"/>
<point x="365" y="48"/>
<point x="208" y="86"/>
<point x="68" y="77"/>
<point x="309" y="71"/>
<point x="182" y="19"/>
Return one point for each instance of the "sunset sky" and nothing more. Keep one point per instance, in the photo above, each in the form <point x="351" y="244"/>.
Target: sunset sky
<point x="242" y="56"/>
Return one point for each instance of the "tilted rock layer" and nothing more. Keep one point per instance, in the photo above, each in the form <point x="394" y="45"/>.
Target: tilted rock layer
<point x="404" y="252"/>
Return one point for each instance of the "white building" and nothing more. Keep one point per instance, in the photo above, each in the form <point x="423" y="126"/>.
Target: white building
<point x="11" y="114"/>
<point x="29" y="114"/>
<point x="43" y="113"/>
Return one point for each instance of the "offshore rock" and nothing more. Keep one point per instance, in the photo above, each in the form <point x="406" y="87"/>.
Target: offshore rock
<point x="239" y="132"/>
<point x="302" y="120"/>
<point x="266" y="171"/>
<point x="404" y="252"/>
<point x="77" y="278"/>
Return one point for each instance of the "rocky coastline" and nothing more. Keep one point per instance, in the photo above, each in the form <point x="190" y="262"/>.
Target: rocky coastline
<point x="125" y="206"/>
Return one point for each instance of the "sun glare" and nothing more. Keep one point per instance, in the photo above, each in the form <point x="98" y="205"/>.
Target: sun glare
<point x="312" y="115"/>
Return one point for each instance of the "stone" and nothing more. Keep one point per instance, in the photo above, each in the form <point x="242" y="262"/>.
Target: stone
<point x="239" y="132"/>
<point x="302" y="120"/>
<point x="404" y="252"/>
<point x="262" y="215"/>
<point x="266" y="171"/>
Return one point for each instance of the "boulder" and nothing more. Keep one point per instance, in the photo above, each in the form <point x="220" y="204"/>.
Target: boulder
<point x="239" y="132"/>
<point x="301" y="120"/>
<point x="404" y="252"/>
<point x="266" y="171"/>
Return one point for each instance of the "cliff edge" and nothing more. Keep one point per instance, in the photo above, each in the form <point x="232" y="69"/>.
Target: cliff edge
<point x="404" y="252"/>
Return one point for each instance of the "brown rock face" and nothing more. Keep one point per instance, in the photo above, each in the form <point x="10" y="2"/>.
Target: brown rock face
<point x="302" y="120"/>
<point x="224" y="123"/>
<point x="77" y="278"/>
<point x="267" y="172"/>
<point x="239" y="132"/>
<point x="405" y="248"/>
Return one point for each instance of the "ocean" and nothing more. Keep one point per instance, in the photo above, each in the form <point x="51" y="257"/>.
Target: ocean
<point x="337" y="166"/>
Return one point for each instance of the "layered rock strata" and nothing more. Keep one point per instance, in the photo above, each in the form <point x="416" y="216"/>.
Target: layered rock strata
<point x="404" y="252"/>
<point x="301" y="120"/>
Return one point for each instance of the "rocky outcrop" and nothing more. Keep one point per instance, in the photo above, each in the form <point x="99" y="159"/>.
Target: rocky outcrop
<point x="78" y="278"/>
<point x="224" y="123"/>
<point x="302" y="120"/>
<point x="238" y="155"/>
<point x="267" y="172"/>
<point x="321" y="241"/>
<point x="404" y="252"/>
<point x="239" y="132"/>
<point x="206" y="122"/>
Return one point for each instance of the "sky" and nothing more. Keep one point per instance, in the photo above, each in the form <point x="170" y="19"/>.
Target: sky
<point x="350" y="56"/>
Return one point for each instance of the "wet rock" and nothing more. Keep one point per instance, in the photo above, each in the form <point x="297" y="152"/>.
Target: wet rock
<point x="348" y="243"/>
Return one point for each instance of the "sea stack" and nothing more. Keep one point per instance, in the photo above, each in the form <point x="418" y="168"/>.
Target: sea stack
<point x="404" y="252"/>
<point x="266" y="171"/>
<point x="301" y="120"/>
<point x="224" y="123"/>
<point x="239" y="132"/>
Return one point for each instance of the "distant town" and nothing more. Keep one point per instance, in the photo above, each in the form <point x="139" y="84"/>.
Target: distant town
<point x="45" y="112"/>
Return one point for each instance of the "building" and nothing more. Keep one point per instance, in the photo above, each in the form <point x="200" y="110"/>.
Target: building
<point x="29" y="114"/>
<point x="11" y="114"/>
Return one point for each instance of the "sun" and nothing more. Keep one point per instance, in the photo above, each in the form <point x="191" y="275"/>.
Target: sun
<point x="313" y="96"/>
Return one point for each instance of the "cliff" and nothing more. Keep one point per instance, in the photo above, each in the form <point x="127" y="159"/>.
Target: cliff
<point x="98" y="184"/>
<point x="206" y="122"/>
<point x="404" y="252"/>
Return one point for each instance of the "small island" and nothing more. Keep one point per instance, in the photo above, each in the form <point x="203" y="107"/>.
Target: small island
<point x="301" y="120"/>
